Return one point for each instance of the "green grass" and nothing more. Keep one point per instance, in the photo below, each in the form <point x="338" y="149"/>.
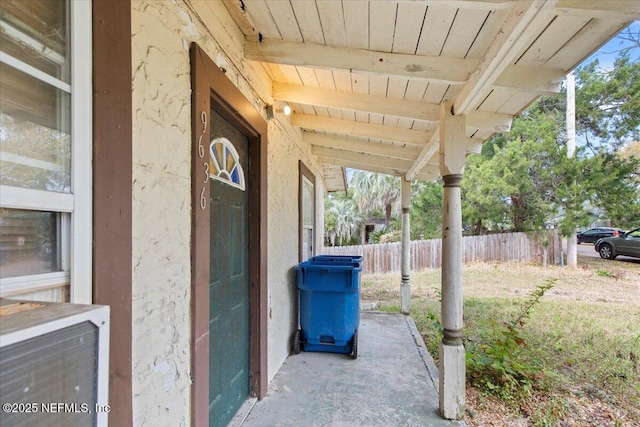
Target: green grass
<point x="587" y="346"/>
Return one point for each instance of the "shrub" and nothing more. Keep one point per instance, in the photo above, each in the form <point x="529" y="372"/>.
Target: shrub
<point x="497" y="365"/>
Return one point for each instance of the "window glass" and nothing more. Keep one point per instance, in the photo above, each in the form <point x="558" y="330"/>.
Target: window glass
<point x="307" y="202"/>
<point x="36" y="145"/>
<point x="35" y="101"/>
<point x="36" y="33"/>
<point x="28" y="242"/>
<point x="307" y="212"/>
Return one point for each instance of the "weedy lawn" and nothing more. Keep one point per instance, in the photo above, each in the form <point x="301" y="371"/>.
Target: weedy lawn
<point x="578" y="346"/>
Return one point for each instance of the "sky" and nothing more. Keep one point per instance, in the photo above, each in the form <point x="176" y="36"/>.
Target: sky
<point x="606" y="55"/>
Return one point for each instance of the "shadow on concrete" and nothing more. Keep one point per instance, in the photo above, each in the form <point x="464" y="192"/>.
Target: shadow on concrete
<point x="393" y="382"/>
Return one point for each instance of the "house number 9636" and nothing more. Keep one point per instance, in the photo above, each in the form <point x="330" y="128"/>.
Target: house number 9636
<point x="203" y="119"/>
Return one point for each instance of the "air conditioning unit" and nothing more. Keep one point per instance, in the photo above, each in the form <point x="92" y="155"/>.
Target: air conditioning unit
<point x="54" y="364"/>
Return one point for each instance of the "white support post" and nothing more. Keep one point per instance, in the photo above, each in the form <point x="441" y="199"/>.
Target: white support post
<point x="452" y="353"/>
<point x="572" y="241"/>
<point x="405" y="284"/>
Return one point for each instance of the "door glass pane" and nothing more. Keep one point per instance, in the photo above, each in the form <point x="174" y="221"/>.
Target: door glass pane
<point x="36" y="33"/>
<point x="28" y="242"/>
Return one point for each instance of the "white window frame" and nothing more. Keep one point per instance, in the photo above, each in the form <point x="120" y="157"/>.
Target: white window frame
<point x="76" y="207"/>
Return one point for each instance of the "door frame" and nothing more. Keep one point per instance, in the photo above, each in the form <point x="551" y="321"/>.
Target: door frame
<point x="212" y="89"/>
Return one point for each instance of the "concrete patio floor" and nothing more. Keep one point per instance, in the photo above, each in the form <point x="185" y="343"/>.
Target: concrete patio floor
<point x="393" y="382"/>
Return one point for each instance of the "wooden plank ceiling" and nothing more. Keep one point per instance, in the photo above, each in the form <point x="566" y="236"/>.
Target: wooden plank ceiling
<point x="365" y="78"/>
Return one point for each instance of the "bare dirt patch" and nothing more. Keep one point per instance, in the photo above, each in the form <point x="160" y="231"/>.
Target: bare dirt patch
<point x="591" y="281"/>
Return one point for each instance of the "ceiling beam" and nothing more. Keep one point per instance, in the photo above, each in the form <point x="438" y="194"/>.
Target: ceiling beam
<point x="426" y="156"/>
<point x="433" y="68"/>
<point x="536" y="80"/>
<point x="424" y="176"/>
<point x="408" y="152"/>
<point x="369" y="130"/>
<point x="355" y="101"/>
<point x="241" y="17"/>
<point x="522" y="25"/>
<point x="364" y="158"/>
<point x="486" y="120"/>
<point x="610" y="9"/>
<point x="472" y="4"/>
<point x="394" y="133"/>
<point x="379" y="104"/>
<point x="355" y="165"/>
<point x="427" y="153"/>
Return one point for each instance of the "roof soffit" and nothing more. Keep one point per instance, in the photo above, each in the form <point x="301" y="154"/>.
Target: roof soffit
<point x="379" y="70"/>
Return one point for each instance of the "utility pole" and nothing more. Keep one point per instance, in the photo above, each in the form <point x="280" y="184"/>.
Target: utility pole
<point x="572" y="244"/>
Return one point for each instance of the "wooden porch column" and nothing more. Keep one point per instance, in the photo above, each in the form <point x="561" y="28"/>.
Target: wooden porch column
<point x="405" y="285"/>
<point x="452" y="354"/>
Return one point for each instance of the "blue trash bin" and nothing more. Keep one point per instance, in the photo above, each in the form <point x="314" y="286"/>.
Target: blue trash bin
<point x="329" y="306"/>
<point x="343" y="259"/>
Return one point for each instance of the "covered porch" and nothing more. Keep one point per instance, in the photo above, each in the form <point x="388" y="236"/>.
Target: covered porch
<point x="404" y="88"/>
<point x="393" y="382"/>
<point x="410" y="89"/>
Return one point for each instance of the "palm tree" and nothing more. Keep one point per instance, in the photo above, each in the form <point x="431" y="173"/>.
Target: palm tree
<point x="373" y="191"/>
<point x="344" y="220"/>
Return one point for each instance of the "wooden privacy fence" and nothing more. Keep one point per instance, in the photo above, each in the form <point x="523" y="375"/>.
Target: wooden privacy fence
<point x="426" y="254"/>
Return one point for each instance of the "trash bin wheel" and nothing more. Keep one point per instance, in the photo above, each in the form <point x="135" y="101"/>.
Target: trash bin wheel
<point x="354" y="346"/>
<point x="296" y="342"/>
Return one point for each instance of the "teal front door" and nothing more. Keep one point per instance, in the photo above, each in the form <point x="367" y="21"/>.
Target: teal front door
<point x="229" y="312"/>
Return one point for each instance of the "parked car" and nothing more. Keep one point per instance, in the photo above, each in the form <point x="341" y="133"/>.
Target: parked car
<point x="627" y="243"/>
<point x="594" y="234"/>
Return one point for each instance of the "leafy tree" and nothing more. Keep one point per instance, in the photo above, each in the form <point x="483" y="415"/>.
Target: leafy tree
<point x="484" y="207"/>
<point x="608" y="101"/>
<point x="514" y="183"/>
<point x="524" y="180"/>
<point x="630" y="151"/>
<point x="426" y="209"/>
<point x="615" y="184"/>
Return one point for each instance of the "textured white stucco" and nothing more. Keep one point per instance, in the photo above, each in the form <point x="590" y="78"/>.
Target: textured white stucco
<point x="161" y="34"/>
<point x="161" y="217"/>
<point x="283" y="237"/>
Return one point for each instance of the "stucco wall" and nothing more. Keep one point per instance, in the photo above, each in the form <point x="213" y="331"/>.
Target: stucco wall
<point x="284" y="154"/>
<point x="161" y="217"/>
<point x="161" y="34"/>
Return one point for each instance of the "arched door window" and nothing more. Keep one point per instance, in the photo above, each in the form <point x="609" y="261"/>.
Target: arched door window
<point x="224" y="163"/>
